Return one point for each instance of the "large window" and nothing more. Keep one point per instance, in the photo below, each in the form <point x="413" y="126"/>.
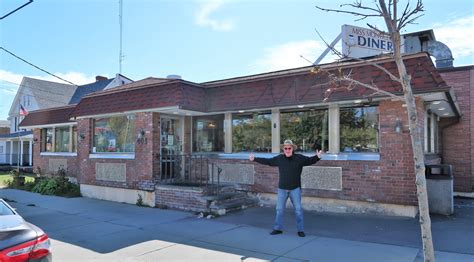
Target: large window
<point x="359" y="129"/>
<point x="58" y="139"/>
<point x="308" y="129"/>
<point x="208" y="133"/>
<point x="61" y="142"/>
<point x="47" y="140"/>
<point x="251" y="132"/>
<point x="114" y="134"/>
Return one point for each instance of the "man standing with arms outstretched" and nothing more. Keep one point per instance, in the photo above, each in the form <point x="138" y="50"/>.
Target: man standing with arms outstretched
<point x="290" y="166"/>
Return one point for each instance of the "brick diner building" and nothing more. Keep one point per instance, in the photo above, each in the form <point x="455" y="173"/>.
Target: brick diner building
<point x="145" y="137"/>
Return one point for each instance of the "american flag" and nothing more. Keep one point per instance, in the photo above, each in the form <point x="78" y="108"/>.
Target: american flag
<point x="23" y="111"/>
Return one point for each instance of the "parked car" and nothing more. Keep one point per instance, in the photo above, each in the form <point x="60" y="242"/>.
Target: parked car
<point x="19" y="240"/>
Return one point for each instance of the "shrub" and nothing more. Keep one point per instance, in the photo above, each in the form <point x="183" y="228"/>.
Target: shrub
<point x="58" y="185"/>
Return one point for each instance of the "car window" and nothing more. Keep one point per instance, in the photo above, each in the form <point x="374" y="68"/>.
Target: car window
<point x="4" y="210"/>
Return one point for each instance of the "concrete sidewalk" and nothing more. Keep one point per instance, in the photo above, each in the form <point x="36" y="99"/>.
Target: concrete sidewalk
<point x="85" y="229"/>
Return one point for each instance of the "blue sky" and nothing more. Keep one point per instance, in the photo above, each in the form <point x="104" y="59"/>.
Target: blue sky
<point x="199" y="40"/>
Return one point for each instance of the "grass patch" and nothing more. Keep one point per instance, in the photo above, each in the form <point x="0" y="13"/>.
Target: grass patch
<point x="6" y="177"/>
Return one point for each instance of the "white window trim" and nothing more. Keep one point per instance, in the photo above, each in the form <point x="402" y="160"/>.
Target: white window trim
<point x="112" y="155"/>
<point x="58" y="154"/>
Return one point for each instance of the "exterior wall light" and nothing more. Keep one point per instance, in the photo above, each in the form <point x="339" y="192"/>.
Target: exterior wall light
<point x="81" y="137"/>
<point x="398" y="126"/>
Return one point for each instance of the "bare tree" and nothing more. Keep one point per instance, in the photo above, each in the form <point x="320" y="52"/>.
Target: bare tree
<point x="394" y="24"/>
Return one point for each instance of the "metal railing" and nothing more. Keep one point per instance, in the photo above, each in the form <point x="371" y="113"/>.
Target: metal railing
<point x="191" y="170"/>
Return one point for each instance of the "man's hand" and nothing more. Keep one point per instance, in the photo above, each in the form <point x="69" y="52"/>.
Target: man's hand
<point x="318" y="153"/>
<point x="251" y="157"/>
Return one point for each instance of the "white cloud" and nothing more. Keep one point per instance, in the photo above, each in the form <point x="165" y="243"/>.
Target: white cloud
<point x="458" y="35"/>
<point x="9" y="83"/>
<point x="288" y="55"/>
<point x="203" y="16"/>
<point x="74" y="77"/>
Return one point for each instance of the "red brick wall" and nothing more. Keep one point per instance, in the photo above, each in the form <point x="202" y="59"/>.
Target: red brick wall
<point x="4" y="130"/>
<point x="390" y="180"/>
<point x="458" y="138"/>
<point x="43" y="161"/>
<point x="139" y="171"/>
<point x="182" y="198"/>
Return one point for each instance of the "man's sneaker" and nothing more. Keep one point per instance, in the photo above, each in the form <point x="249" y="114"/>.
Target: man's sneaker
<point x="301" y="234"/>
<point x="276" y="232"/>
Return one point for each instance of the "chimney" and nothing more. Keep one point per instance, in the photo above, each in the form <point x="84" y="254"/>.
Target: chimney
<point x="100" y="78"/>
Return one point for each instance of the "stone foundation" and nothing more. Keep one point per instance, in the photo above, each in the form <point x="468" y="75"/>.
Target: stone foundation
<point x="345" y="206"/>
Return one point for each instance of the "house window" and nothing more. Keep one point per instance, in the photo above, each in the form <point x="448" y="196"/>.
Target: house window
<point x="114" y="134"/>
<point x="1" y="149"/>
<point x="74" y="139"/>
<point x="252" y="132"/>
<point x="359" y="129"/>
<point x="208" y="133"/>
<point x="47" y="140"/>
<point x="61" y="141"/>
<point x="307" y="129"/>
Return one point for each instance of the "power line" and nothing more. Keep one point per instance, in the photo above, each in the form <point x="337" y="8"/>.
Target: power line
<point x="31" y="87"/>
<point x="29" y="2"/>
<point x="37" y="67"/>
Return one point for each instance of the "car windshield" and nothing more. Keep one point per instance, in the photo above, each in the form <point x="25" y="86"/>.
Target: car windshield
<point x="5" y="210"/>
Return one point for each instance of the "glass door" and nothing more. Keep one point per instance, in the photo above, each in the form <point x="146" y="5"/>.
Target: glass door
<point x="171" y="148"/>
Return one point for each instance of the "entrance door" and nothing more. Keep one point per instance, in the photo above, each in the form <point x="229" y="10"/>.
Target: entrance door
<point x="171" y="148"/>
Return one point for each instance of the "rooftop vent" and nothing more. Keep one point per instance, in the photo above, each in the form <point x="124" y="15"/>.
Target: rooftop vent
<point x="173" y="76"/>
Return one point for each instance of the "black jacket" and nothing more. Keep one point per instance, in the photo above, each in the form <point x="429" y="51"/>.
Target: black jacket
<point x="290" y="168"/>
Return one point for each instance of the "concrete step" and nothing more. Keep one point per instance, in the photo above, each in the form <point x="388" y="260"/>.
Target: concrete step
<point x="231" y="205"/>
<point x="224" y="196"/>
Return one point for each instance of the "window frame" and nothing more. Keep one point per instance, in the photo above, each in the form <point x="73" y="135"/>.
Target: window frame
<point x="43" y="144"/>
<point x="127" y="154"/>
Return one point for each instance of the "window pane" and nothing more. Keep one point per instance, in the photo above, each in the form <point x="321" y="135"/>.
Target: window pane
<point x="74" y="139"/>
<point x="47" y="140"/>
<point x="252" y="133"/>
<point x="208" y="133"/>
<point x="308" y="129"/>
<point x="114" y="134"/>
<point x="359" y="129"/>
<point x="61" y="142"/>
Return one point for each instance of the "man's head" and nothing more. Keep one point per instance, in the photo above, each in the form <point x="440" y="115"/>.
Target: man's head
<point x="288" y="147"/>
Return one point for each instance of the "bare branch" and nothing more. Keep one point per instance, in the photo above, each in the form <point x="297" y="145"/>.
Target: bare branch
<point x="333" y="50"/>
<point x="376" y="29"/>
<point x="390" y="23"/>
<point x="358" y="5"/>
<point x="374" y="88"/>
<point x="363" y="16"/>
<point x="407" y="14"/>
<point x="392" y="76"/>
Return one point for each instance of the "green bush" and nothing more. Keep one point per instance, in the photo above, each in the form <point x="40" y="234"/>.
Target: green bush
<point x="58" y="185"/>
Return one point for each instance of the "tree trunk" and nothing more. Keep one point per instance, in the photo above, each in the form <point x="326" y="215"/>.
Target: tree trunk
<point x="418" y="155"/>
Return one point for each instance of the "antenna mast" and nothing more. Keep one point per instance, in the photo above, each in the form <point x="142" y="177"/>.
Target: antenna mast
<point x="120" y="22"/>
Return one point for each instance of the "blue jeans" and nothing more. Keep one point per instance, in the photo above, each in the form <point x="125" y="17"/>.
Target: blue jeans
<point x="295" y="197"/>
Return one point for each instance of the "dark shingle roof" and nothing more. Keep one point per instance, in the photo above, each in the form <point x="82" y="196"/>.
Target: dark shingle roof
<point x="17" y="134"/>
<point x="49" y="116"/>
<point x="84" y="90"/>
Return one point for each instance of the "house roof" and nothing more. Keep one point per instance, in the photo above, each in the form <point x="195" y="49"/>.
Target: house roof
<point x="58" y="115"/>
<point x="276" y="89"/>
<point x="299" y="86"/>
<point x="46" y="93"/>
<point x="149" y="93"/>
<point x="84" y="90"/>
<point x="16" y="134"/>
